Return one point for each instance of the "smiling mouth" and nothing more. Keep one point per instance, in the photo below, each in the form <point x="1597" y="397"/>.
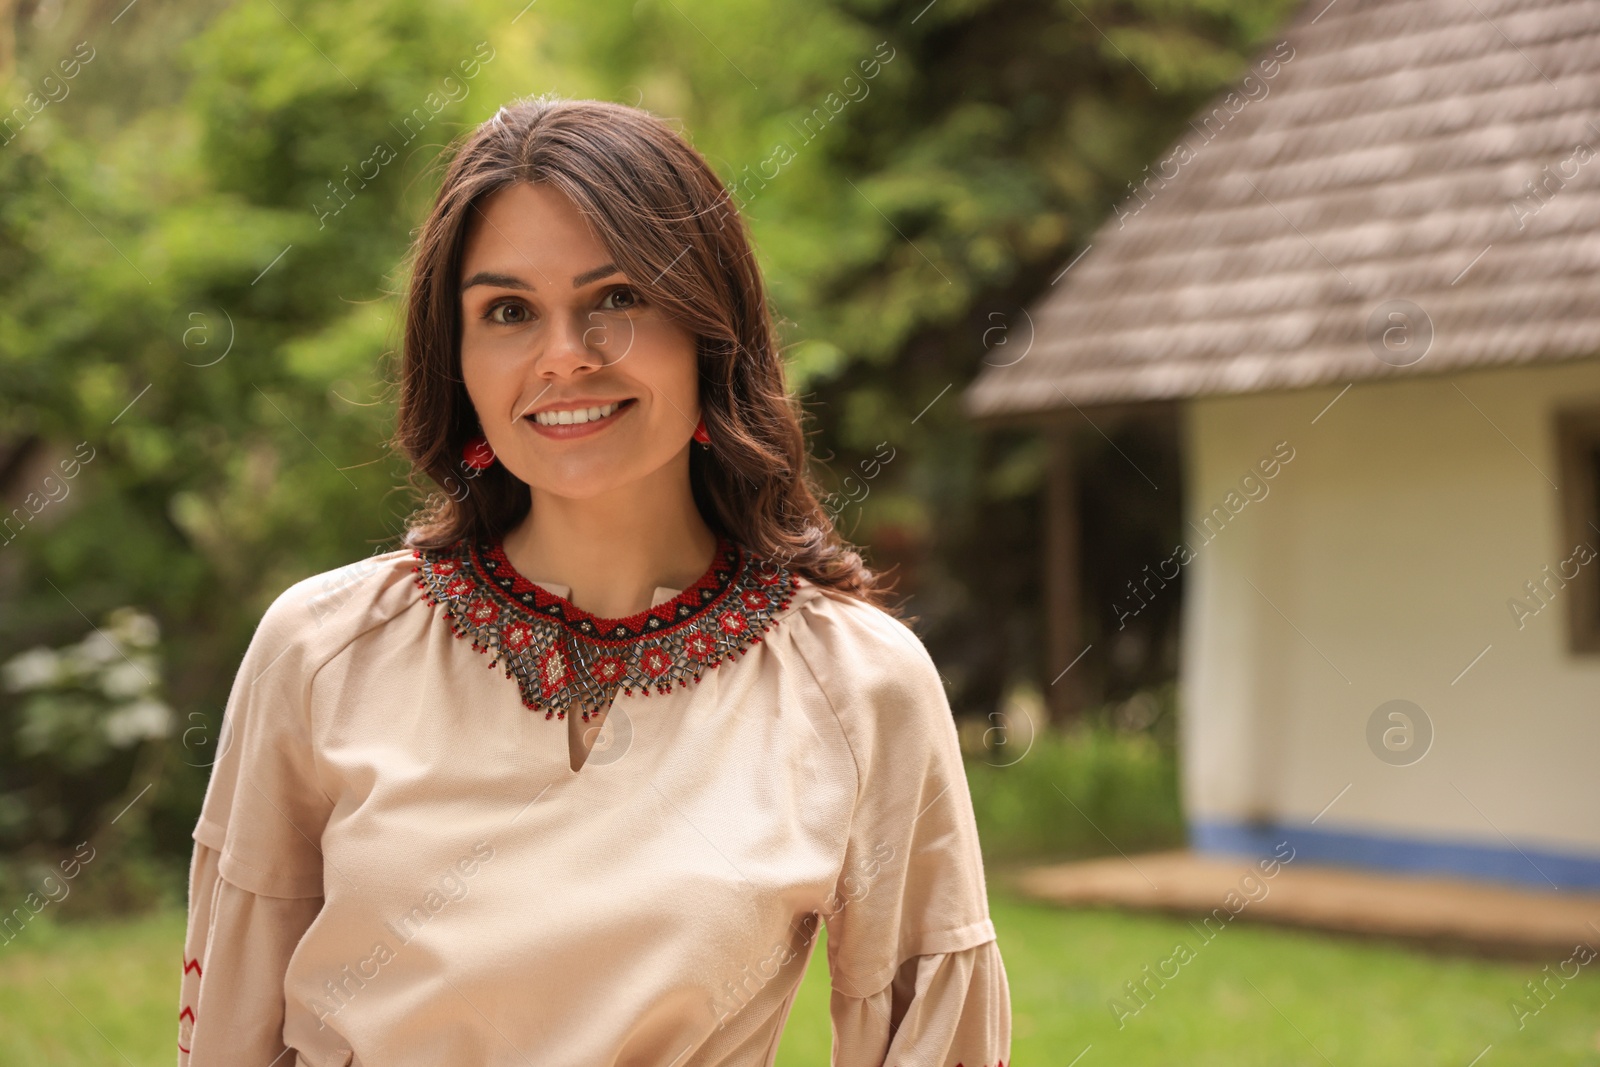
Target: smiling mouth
<point x="578" y="416"/>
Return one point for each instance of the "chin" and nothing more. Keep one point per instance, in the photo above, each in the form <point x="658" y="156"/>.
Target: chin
<point x="574" y="478"/>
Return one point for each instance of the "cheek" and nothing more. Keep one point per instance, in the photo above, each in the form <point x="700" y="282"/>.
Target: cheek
<point x="491" y="383"/>
<point x="669" y="366"/>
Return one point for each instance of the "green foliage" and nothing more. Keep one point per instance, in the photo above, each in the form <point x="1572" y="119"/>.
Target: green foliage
<point x="1108" y="785"/>
<point x="217" y="341"/>
<point x="200" y="249"/>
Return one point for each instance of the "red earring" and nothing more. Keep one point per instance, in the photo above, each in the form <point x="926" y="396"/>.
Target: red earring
<point x="700" y="433"/>
<point x="477" y="454"/>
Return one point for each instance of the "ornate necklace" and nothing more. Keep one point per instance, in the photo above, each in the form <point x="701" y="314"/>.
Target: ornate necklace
<point x="563" y="657"/>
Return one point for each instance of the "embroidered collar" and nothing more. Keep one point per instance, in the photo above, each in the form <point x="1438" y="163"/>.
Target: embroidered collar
<point x="563" y="657"/>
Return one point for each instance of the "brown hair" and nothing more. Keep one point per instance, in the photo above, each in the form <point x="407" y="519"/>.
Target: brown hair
<point x="664" y="215"/>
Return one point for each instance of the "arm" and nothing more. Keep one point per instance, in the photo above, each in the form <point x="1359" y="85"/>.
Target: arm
<point x="235" y="952"/>
<point x="255" y="881"/>
<point x="946" y="1008"/>
<point x="915" y="967"/>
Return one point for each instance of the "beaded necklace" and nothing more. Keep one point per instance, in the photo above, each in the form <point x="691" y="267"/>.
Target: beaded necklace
<point x="562" y="657"/>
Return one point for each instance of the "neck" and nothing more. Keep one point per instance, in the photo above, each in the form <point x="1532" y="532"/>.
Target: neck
<point x="616" y="549"/>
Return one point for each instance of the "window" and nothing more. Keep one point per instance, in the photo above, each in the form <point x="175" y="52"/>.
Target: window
<point x="1578" y="440"/>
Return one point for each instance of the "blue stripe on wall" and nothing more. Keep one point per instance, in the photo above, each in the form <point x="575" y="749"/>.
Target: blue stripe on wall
<point x="1533" y="867"/>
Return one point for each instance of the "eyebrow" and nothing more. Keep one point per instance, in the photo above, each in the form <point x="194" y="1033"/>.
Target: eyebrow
<point x="508" y="281"/>
<point x="605" y="270"/>
<point x="501" y="281"/>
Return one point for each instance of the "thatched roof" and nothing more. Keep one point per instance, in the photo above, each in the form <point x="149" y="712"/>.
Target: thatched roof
<point x="1390" y="157"/>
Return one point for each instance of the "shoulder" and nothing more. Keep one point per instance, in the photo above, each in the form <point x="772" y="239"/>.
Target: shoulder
<point x="850" y="626"/>
<point x="319" y="616"/>
<point x="871" y="667"/>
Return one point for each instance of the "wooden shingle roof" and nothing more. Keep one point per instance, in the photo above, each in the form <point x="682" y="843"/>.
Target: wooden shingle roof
<point x="1444" y="153"/>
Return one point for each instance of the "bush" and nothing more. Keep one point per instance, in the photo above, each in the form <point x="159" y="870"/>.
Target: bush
<point x="115" y="874"/>
<point x="80" y="728"/>
<point x="1108" y="784"/>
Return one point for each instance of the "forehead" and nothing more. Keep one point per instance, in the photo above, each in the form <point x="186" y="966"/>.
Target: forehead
<point x="525" y="227"/>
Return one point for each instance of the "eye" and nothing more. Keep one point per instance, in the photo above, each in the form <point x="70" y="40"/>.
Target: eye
<point x="508" y="312"/>
<point x="629" y="299"/>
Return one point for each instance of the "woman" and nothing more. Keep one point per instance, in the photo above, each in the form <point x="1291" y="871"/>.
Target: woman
<point x="699" y="738"/>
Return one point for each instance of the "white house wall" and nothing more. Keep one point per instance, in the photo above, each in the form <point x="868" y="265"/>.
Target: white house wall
<point x="1378" y="566"/>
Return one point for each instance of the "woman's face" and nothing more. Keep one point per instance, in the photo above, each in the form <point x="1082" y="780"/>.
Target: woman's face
<point x="580" y="385"/>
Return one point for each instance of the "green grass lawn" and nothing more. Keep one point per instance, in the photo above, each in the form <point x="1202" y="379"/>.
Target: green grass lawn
<point x="82" y="994"/>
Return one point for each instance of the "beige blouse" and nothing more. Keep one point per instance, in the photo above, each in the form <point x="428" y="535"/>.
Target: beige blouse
<point x="396" y="862"/>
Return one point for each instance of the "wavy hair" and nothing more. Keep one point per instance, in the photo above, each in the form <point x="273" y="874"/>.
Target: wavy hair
<point x="664" y="215"/>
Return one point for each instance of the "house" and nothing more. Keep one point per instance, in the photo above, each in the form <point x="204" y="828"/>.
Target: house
<point x="1366" y="285"/>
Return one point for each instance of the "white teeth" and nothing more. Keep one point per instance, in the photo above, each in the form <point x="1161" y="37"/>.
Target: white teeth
<point x="572" y="417"/>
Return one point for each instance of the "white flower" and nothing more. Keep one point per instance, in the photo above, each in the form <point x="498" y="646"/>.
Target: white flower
<point x="36" y="668"/>
<point x="124" y="680"/>
<point x="95" y="650"/>
<point x="130" y="626"/>
<point x="135" y="722"/>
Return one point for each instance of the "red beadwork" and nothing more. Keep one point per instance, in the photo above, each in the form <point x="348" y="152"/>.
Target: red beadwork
<point x="555" y="671"/>
<point x="564" y="657"/>
<point x="655" y="662"/>
<point x="518" y="636"/>
<point x="701" y="645"/>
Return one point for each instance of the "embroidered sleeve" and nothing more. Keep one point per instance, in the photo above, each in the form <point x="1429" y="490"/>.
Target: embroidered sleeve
<point x="256" y="879"/>
<point x="946" y="1010"/>
<point x="235" y="952"/>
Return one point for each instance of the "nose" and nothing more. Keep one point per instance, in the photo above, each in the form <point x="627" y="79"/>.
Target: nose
<point x="573" y="347"/>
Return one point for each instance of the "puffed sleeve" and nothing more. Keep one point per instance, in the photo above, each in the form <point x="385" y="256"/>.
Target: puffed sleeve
<point x="235" y="952"/>
<point x="256" y="877"/>
<point x="914" y="964"/>
<point x="947" y="1008"/>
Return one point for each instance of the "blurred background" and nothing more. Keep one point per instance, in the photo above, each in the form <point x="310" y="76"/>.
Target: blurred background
<point x="1214" y="378"/>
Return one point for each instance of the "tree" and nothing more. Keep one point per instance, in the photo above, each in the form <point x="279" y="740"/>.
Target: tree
<point x="200" y="248"/>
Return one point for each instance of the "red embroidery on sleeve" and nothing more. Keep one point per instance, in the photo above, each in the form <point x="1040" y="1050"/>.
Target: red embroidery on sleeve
<point x="187" y="1014"/>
